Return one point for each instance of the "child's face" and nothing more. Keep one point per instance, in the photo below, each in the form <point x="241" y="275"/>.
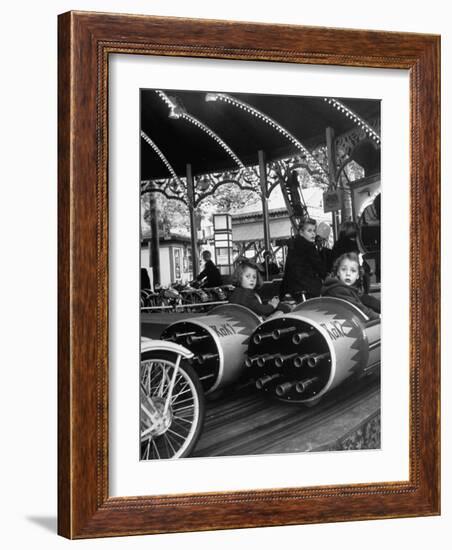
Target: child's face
<point x="308" y="232"/>
<point x="348" y="272"/>
<point x="249" y="278"/>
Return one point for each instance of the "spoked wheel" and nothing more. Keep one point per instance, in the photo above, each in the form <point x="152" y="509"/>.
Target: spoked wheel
<point x="172" y="406"/>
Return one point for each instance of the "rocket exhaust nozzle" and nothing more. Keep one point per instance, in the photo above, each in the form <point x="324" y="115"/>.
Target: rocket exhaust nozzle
<point x="258" y="338"/>
<point x="284" y="388"/>
<point x="179" y="335"/>
<point x="315" y="359"/>
<point x="193" y="339"/>
<point x="300" y="337"/>
<point x="262" y="382"/>
<point x="282" y="359"/>
<point x="303" y="385"/>
<point x="204" y="357"/>
<point x="249" y="361"/>
<point x="279" y="332"/>
<point x="264" y="359"/>
<point x="301" y="360"/>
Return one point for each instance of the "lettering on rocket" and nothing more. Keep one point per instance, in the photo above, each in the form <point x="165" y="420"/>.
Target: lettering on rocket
<point x="224" y="330"/>
<point x="335" y="329"/>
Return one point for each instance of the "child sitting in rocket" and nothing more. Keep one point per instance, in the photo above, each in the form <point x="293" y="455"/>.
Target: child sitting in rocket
<point x="247" y="279"/>
<point x="343" y="285"/>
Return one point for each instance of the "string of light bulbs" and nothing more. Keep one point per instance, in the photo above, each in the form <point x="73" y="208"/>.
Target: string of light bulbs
<point x="165" y="99"/>
<point x="162" y="157"/>
<point x="355" y="118"/>
<point x="176" y="111"/>
<point x="271" y="122"/>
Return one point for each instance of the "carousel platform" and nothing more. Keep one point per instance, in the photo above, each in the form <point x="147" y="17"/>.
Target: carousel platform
<point x="244" y="422"/>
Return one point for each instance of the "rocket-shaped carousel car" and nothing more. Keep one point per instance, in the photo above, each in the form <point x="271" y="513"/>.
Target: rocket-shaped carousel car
<point x="302" y="355"/>
<point x="219" y="342"/>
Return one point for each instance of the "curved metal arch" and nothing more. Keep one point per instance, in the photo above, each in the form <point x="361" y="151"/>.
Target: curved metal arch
<point x="278" y="181"/>
<point x="177" y="112"/>
<point x="219" y="184"/>
<point x="349" y="113"/>
<point x="163" y="192"/>
<point x="368" y="202"/>
<point x="349" y="158"/>
<point x="274" y="185"/>
<point x="161" y="156"/>
<point x="158" y="184"/>
<point x="215" y="96"/>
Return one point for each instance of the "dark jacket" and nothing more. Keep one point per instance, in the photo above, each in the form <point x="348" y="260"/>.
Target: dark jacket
<point x="304" y="269"/>
<point x="248" y="298"/>
<point x="145" y="281"/>
<point x="335" y="288"/>
<point x="212" y="273"/>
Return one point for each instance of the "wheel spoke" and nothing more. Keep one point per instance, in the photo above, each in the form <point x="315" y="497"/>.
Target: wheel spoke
<point x="167" y="439"/>
<point x="162" y="385"/>
<point x="181" y="402"/>
<point x="147" y="412"/>
<point x="148" y="449"/>
<point x="177" y="443"/>
<point x="183" y="419"/>
<point x="165" y="443"/>
<point x="175" y="433"/>
<point x="182" y="429"/>
<point x="183" y="412"/>
<point x="180" y="393"/>
<point x="147" y="431"/>
<point x="183" y="408"/>
<point x="156" y="449"/>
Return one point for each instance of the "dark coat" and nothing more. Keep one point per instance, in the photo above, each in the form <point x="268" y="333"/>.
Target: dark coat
<point x="248" y="298"/>
<point x="212" y="273"/>
<point x="304" y="269"/>
<point x="335" y="288"/>
<point x="145" y="281"/>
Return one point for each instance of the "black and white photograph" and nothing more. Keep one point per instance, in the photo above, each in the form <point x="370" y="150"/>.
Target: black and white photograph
<point x="260" y="274"/>
<point x="203" y="205"/>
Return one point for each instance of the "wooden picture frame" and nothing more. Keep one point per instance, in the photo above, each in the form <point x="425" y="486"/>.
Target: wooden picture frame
<point x="86" y="40"/>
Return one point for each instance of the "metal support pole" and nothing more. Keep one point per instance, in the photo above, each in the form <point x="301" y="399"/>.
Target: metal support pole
<point x="193" y="233"/>
<point x="331" y="155"/>
<point x="154" y="252"/>
<point x="264" y="196"/>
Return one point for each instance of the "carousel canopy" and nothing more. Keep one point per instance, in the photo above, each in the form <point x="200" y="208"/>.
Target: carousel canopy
<point x="186" y="140"/>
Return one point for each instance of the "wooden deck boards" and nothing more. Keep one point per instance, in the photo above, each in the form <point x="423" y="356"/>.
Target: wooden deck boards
<point x="245" y="422"/>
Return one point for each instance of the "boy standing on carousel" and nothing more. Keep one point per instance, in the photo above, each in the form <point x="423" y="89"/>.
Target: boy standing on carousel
<point x="305" y="266"/>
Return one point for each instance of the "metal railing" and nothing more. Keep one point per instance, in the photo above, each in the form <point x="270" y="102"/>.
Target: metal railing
<point x="182" y="307"/>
